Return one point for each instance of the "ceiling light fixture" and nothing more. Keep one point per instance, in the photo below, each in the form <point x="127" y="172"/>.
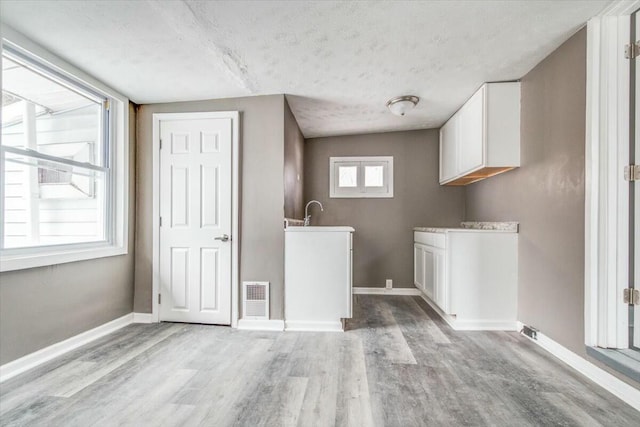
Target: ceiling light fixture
<point x="401" y="104"/>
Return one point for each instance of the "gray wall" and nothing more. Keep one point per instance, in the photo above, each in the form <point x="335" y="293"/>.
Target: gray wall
<point x="293" y="166"/>
<point x="262" y="187"/>
<point x="547" y="195"/>
<point x="383" y="241"/>
<point x="42" y="306"/>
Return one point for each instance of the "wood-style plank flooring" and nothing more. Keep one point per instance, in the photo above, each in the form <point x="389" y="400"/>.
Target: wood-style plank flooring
<point x="398" y="364"/>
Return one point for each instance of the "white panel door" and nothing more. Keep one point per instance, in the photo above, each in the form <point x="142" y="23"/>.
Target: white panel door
<point x="195" y="212"/>
<point x="471" y="133"/>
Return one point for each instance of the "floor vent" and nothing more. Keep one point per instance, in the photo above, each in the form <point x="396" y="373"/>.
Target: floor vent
<point x="529" y="332"/>
<point x="255" y="300"/>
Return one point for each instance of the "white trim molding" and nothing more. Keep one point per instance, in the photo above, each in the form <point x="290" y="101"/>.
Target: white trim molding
<point x="35" y="359"/>
<point x="615" y="386"/>
<point x="607" y="194"/>
<point x="359" y="290"/>
<point x="472" y="324"/>
<point x="261" y="325"/>
<point x="143" y="318"/>
<point x="303" y="326"/>
<point x="235" y="204"/>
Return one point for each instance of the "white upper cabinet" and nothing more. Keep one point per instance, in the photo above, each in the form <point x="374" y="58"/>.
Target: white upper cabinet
<point x="448" y="150"/>
<point x="471" y="155"/>
<point x="482" y="139"/>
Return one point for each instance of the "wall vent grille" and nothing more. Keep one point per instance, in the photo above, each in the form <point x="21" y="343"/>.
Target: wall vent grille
<point x="255" y="300"/>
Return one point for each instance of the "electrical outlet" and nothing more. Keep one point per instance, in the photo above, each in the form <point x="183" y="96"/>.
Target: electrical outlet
<point x="389" y="283"/>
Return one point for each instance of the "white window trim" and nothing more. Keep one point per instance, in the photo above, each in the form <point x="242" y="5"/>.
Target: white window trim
<point x="358" y="192"/>
<point x="43" y="256"/>
<point x="606" y="195"/>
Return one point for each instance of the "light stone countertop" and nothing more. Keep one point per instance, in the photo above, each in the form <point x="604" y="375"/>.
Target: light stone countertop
<point x="474" y="226"/>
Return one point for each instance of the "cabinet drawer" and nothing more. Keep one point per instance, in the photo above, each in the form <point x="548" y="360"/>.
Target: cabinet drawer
<point x="438" y="240"/>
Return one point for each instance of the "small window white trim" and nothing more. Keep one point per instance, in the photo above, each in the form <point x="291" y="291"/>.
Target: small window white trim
<point x="361" y="191"/>
<point x="117" y="243"/>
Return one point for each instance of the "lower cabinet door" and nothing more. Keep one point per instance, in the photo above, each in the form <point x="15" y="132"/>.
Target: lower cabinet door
<point x="429" y="273"/>
<point x="418" y="266"/>
<point x="440" y="279"/>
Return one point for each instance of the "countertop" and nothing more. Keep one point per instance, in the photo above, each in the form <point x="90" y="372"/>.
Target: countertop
<point x="475" y="226"/>
<point x="312" y="228"/>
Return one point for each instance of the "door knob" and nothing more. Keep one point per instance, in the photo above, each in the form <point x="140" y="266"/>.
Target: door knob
<point x="224" y="238"/>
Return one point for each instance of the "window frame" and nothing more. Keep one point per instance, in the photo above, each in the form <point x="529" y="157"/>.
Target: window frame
<point x="361" y="190"/>
<point x="116" y="158"/>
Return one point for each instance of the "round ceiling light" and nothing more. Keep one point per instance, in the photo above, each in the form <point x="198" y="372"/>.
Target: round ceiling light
<point x="401" y="104"/>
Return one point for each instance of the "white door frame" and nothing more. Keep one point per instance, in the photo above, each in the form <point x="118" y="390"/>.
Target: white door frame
<point x="606" y="192"/>
<point x="235" y="214"/>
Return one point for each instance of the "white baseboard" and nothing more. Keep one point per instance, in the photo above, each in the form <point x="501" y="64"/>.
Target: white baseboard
<point x="261" y="325"/>
<point x="484" y="325"/>
<point x="313" y="326"/>
<point x="617" y="387"/>
<point x="472" y="324"/>
<point x="142" y="318"/>
<point x="30" y="361"/>
<point x="384" y="291"/>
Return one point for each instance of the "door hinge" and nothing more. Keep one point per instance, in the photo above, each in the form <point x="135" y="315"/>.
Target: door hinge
<point x="159" y="298"/>
<point x="107" y="105"/>
<point x="632" y="50"/>
<point x="161" y="144"/>
<point x="160" y="221"/>
<point x="631" y="296"/>
<point x="632" y="173"/>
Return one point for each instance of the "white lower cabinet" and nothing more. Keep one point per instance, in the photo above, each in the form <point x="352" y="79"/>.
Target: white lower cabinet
<point x="429" y="272"/>
<point x="318" y="265"/>
<point x="470" y="277"/>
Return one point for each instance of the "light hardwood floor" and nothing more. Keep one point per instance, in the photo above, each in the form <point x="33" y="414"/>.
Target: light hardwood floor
<point x="397" y="365"/>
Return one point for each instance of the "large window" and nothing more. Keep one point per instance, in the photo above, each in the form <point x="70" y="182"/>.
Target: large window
<point x="361" y="177"/>
<point x="63" y="159"/>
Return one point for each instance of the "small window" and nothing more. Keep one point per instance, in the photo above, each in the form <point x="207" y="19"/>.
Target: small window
<point x="361" y="177"/>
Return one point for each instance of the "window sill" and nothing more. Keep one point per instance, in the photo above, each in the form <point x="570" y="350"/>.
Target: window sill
<point x="625" y="361"/>
<point x="25" y="261"/>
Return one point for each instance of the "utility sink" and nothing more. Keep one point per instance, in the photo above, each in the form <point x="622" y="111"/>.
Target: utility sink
<point x="317" y="277"/>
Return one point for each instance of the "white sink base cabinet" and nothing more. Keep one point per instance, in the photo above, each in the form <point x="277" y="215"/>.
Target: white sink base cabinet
<point x="469" y="277"/>
<point x="318" y="278"/>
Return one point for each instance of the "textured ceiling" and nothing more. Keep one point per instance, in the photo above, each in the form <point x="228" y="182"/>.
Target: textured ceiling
<point x="338" y="62"/>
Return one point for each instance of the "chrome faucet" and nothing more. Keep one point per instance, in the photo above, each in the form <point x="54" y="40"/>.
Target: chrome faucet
<point x="307" y="217"/>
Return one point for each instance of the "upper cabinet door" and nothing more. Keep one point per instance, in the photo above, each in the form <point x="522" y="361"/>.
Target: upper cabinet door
<point x="471" y="134"/>
<point x="448" y="150"/>
<point x="483" y="138"/>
